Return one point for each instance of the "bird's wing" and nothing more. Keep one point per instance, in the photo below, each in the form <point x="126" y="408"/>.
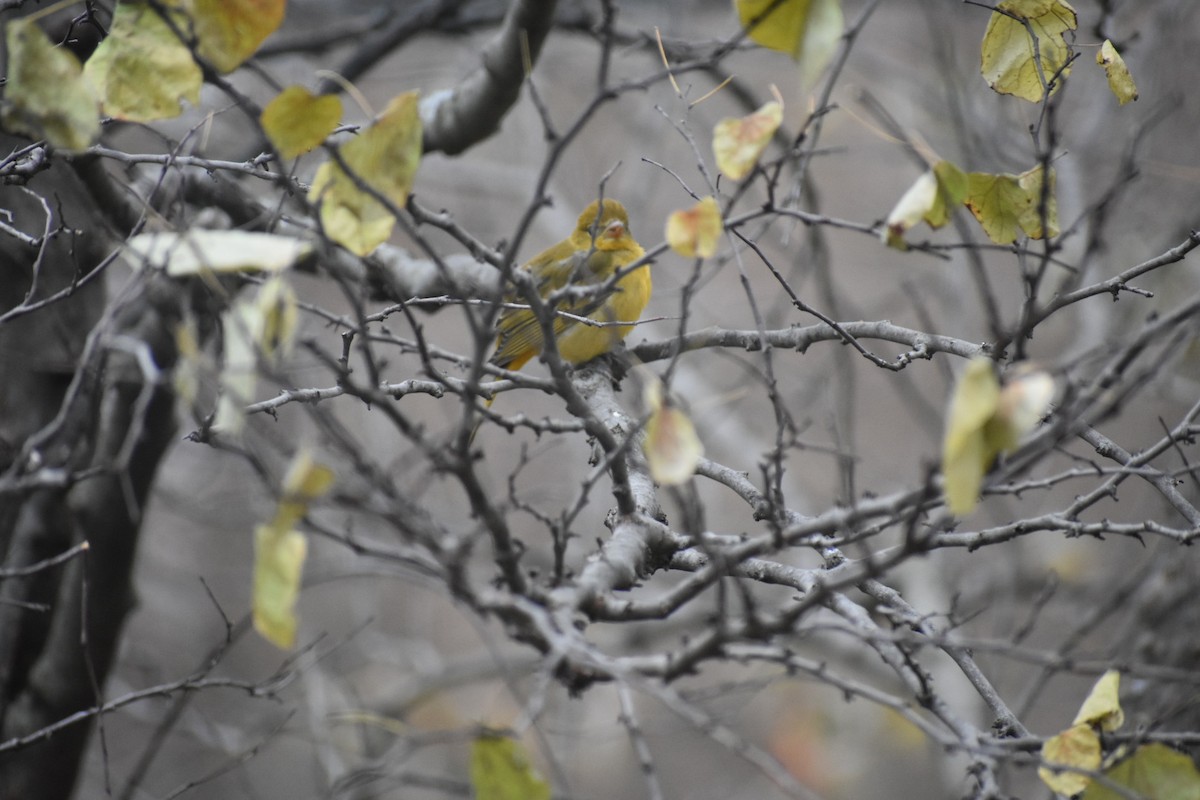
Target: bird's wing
<point x="518" y="331"/>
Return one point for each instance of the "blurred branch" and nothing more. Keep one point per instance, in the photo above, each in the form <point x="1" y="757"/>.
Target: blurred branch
<point x="458" y="118"/>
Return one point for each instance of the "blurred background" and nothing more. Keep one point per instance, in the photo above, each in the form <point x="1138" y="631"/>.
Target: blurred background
<point x="395" y="675"/>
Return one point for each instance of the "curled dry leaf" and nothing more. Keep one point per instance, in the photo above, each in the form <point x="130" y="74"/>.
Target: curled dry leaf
<point x="695" y="232"/>
<point x="1119" y="80"/>
<point x="739" y="141"/>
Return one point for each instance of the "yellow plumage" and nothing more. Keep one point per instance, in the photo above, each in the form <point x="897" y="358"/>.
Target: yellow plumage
<point x="599" y="246"/>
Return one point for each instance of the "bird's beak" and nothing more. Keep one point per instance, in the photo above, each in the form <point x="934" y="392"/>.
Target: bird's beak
<point x="614" y="230"/>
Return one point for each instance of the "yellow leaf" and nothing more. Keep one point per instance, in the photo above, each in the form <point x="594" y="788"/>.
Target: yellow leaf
<point x="999" y="203"/>
<point x="1030" y="220"/>
<point x="229" y="31"/>
<point x="671" y="445"/>
<point x="46" y="95"/>
<point x="1008" y="62"/>
<point x="1077" y="747"/>
<point x="141" y="71"/>
<point x="1153" y="771"/>
<point x="966" y="451"/>
<point x="196" y="252"/>
<point x="384" y="157"/>
<point x="807" y="30"/>
<point x="1119" y="79"/>
<point x="500" y="770"/>
<point x="296" y="121"/>
<point x="1103" y="704"/>
<point x="279" y="550"/>
<point x="278" y="563"/>
<point x="694" y="232"/>
<point x="739" y="141"/>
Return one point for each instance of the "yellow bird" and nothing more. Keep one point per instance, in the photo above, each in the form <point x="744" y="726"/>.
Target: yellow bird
<point x="599" y="247"/>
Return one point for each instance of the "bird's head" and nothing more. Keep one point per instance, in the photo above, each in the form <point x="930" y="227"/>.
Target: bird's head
<point x="610" y="223"/>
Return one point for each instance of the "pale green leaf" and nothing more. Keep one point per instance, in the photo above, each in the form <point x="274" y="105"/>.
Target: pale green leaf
<point x="807" y="30"/>
<point x="1102" y="707"/>
<point x="952" y="187"/>
<point x="384" y="157"/>
<point x="1077" y="747"/>
<point x="278" y="563"/>
<point x="999" y="203"/>
<point x="1030" y="220"/>
<point x="500" y="770"/>
<point x="739" y="141"/>
<point x="966" y="452"/>
<point x="1008" y="62"/>
<point x="1153" y="771"/>
<point x="1119" y="80"/>
<point x="46" y="96"/>
<point x="142" y="71"/>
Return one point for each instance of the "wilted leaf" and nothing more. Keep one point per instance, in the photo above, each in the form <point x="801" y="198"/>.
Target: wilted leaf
<point x="141" y="71"/>
<point x="1008" y="63"/>
<point x="910" y="209"/>
<point x="966" y="452"/>
<point x="930" y="198"/>
<point x="1119" y="79"/>
<point x="672" y="447"/>
<point x="1030" y="220"/>
<point x="198" y="251"/>
<point x="1153" y="771"/>
<point x="694" y="232"/>
<point x="739" y="141"/>
<point x="229" y="31"/>
<point x="296" y="121"/>
<point x="1077" y="747"/>
<point x="1103" y="704"/>
<point x="999" y="203"/>
<point x="807" y="30"/>
<point x="278" y="563"/>
<point x="500" y="770"/>
<point x="384" y="157"/>
<point x="46" y="95"/>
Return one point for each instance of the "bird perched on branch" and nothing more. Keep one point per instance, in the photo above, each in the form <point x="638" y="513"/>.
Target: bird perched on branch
<point x="599" y="247"/>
